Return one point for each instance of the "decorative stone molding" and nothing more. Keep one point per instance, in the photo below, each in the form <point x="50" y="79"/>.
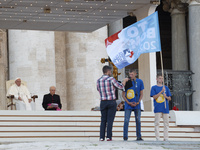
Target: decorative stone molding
<point x="188" y="1"/>
<point x="169" y="5"/>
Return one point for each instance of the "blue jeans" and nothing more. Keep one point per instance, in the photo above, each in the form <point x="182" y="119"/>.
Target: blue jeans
<point x="108" y="110"/>
<point x="137" y="113"/>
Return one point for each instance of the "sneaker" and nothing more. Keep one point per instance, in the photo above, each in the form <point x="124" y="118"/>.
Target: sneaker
<point x="125" y="138"/>
<point x="139" y="139"/>
<point x="108" y="139"/>
<point x="166" y="140"/>
<point x="101" y="139"/>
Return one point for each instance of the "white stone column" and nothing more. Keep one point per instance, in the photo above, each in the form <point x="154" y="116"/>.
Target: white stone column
<point x="113" y="28"/>
<point x="83" y="68"/>
<point x="179" y="41"/>
<point x="194" y="41"/>
<point x="32" y="57"/>
<point x="3" y="68"/>
<point x="147" y="63"/>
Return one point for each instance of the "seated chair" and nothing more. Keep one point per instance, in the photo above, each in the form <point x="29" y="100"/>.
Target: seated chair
<point x="10" y="103"/>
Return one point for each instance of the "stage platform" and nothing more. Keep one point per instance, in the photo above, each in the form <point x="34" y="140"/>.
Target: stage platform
<point x="81" y="126"/>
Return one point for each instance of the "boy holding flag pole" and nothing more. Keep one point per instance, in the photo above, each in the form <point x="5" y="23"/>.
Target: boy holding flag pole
<point x="161" y="95"/>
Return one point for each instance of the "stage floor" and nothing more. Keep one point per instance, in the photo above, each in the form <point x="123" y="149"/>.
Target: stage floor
<point x="118" y="145"/>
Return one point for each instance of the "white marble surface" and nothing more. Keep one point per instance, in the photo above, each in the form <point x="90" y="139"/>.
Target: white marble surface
<point x="187" y="118"/>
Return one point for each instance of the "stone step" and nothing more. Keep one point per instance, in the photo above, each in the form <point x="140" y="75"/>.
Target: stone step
<point x="90" y="134"/>
<point x="89" y="129"/>
<point x="63" y="113"/>
<point x="71" y="119"/>
<point x="83" y="125"/>
<point x="69" y="139"/>
<point x="15" y="120"/>
<point x="65" y="124"/>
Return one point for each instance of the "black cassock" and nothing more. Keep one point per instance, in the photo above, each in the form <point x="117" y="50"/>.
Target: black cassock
<point x="48" y="99"/>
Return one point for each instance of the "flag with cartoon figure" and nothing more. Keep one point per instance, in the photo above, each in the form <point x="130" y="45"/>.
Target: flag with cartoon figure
<point x="125" y="46"/>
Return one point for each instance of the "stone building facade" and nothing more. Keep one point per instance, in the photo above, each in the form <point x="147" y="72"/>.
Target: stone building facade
<point x="71" y="60"/>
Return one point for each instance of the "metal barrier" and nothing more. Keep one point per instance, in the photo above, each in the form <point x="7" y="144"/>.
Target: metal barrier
<point x="180" y="85"/>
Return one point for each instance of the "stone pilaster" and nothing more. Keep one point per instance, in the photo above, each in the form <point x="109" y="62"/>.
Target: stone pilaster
<point x="194" y="47"/>
<point x="60" y="66"/>
<point x="3" y="68"/>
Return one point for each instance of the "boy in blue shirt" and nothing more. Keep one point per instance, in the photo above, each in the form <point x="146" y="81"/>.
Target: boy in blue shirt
<point x="133" y="95"/>
<point x="161" y="95"/>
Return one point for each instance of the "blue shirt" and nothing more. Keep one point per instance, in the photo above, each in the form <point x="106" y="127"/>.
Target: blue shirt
<point x="133" y="93"/>
<point x="159" y="103"/>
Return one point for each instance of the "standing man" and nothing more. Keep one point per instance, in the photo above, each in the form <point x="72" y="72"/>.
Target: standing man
<point x="22" y="96"/>
<point x="51" y="101"/>
<point x="133" y="95"/>
<point x="161" y="96"/>
<point x="106" y="86"/>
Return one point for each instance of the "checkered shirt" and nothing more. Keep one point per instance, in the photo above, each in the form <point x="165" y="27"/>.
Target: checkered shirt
<point x="106" y="86"/>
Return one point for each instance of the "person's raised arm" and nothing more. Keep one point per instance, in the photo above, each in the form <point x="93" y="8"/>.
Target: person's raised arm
<point x="167" y="97"/>
<point x="117" y="84"/>
<point x="124" y="81"/>
<point x="157" y="95"/>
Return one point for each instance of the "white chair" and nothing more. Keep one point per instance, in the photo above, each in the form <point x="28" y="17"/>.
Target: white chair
<point x="10" y="103"/>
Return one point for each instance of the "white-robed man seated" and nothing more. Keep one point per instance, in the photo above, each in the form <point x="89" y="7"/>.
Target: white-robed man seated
<point x="22" y="96"/>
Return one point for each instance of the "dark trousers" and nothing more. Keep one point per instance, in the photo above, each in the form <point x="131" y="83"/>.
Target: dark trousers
<point x="108" y="110"/>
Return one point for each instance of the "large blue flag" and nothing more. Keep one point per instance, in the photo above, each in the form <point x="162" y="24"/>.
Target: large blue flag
<point x="125" y="46"/>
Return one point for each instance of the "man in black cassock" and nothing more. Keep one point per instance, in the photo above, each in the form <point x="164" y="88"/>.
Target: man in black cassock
<point x="51" y="101"/>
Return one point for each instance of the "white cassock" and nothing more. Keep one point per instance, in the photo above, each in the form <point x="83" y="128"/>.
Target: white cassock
<point x="20" y="91"/>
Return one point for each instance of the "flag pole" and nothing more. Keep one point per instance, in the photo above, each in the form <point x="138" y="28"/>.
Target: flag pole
<point x="161" y="59"/>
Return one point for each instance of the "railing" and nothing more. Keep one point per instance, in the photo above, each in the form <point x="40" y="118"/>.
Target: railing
<point x="180" y="85"/>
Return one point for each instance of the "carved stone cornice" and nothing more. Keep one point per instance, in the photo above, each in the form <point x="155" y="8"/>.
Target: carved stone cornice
<point x="169" y="5"/>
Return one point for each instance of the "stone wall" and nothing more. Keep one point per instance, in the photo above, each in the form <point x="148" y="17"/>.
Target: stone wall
<point x="83" y="67"/>
<point x="32" y="57"/>
<point x="68" y="60"/>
